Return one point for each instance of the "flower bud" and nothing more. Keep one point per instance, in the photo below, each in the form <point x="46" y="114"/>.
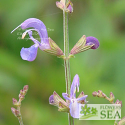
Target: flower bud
<point x="60" y="5"/>
<point x="15" y="112"/>
<point x="112" y="97"/>
<point x="25" y="88"/>
<point x="14" y="101"/>
<point x="118" y="102"/>
<point x="69" y="7"/>
<point x="21" y="92"/>
<point x="95" y="94"/>
<point x="21" y="97"/>
<point x="100" y="93"/>
<point x="84" y="44"/>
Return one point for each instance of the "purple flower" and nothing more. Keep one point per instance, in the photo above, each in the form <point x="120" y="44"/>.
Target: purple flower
<point x="72" y="105"/>
<point x="74" y="102"/>
<point x="85" y="43"/>
<point x="30" y="53"/>
<point x="92" y="40"/>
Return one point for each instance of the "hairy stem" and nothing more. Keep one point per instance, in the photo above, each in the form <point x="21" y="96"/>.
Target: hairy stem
<point x="20" y="116"/>
<point x="66" y="60"/>
<point x="66" y="52"/>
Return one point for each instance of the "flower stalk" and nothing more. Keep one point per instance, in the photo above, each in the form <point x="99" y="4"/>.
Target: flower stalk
<point x="16" y="111"/>
<point x="20" y="116"/>
<point x="66" y="59"/>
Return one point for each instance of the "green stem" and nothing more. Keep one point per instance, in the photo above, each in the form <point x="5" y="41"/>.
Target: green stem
<point x="66" y="60"/>
<point x="20" y="117"/>
<point x="116" y="122"/>
<point x="66" y="52"/>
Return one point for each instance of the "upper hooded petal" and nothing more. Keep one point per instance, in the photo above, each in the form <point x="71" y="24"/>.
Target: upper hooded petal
<point x="39" y="26"/>
<point x="30" y="53"/>
<point x="75" y="84"/>
<point x="92" y="40"/>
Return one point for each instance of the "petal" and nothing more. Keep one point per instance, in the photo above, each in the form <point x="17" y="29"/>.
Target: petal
<point x="51" y="100"/>
<point x="82" y="98"/>
<point x="92" y="40"/>
<point x="74" y="108"/>
<point x="69" y="7"/>
<point x="65" y="96"/>
<point x="31" y="37"/>
<point x="39" y="25"/>
<point x="75" y="84"/>
<point x="42" y="46"/>
<point x="29" y="54"/>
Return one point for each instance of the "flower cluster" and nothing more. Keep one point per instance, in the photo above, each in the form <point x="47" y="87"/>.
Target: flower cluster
<point x="16" y="103"/>
<point x="111" y="97"/>
<point x="46" y="44"/>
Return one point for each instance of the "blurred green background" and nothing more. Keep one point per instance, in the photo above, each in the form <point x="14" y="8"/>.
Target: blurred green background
<point x="101" y="69"/>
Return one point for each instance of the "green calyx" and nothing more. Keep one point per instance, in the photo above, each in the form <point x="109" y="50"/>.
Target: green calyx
<point x="54" y="49"/>
<point x="80" y="46"/>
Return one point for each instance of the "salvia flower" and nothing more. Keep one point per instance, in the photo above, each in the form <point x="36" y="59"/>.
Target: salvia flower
<point x="45" y="44"/>
<point x="37" y="25"/>
<point x="84" y="44"/>
<point x="71" y="106"/>
<point x="74" y="102"/>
